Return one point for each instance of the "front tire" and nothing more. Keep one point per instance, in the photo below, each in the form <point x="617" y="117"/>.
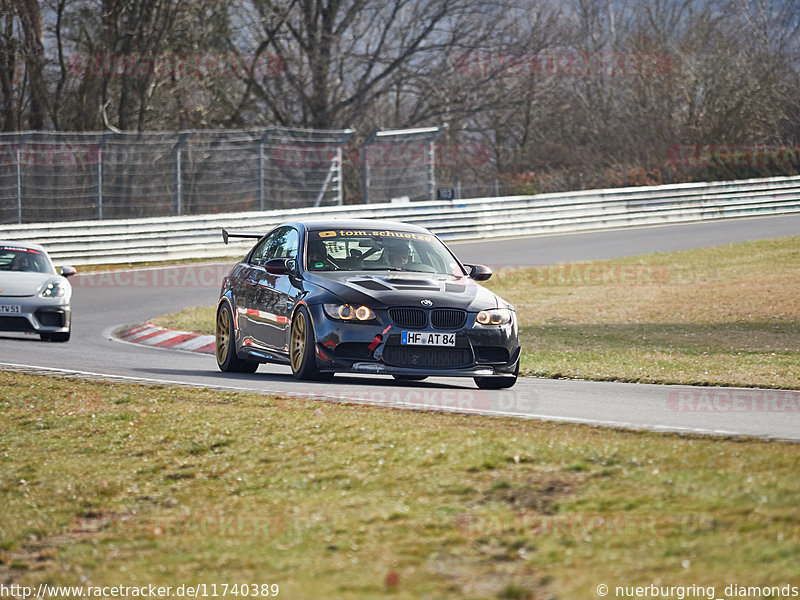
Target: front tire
<point x="227" y="360"/>
<point x="497" y="383"/>
<point x="302" y="341"/>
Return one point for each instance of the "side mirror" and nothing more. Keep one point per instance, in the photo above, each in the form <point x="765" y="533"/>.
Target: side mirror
<point x="68" y="271"/>
<point x="278" y="266"/>
<point x="479" y="272"/>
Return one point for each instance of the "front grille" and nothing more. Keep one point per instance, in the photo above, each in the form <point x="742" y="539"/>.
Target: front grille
<point x="15" y="324"/>
<point x="412" y="318"/>
<point x="425" y="357"/>
<point x="448" y="318"/>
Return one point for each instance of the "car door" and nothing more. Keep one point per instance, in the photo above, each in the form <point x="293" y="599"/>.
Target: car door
<point x="248" y="296"/>
<point x="277" y="292"/>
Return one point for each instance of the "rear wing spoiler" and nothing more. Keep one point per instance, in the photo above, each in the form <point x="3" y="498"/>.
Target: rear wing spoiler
<point x="231" y="234"/>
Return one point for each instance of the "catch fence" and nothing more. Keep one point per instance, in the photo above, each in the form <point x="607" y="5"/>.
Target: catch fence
<point x="49" y="177"/>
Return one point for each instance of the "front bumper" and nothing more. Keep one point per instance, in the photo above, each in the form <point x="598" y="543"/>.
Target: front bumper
<point x="375" y="347"/>
<point x="383" y="369"/>
<point x="32" y="316"/>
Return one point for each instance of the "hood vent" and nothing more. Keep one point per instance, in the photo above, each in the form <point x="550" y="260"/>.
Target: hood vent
<point x="371" y="284"/>
<point x="414" y="283"/>
<point x="454" y="288"/>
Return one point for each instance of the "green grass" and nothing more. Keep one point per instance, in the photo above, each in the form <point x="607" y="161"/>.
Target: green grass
<point x="118" y="484"/>
<point x="727" y="315"/>
<point x="199" y="319"/>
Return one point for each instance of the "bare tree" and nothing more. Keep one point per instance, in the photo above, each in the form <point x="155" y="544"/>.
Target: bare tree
<point x="9" y="53"/>
<point x="343" y="57"/>
<point x="25" y="50"/>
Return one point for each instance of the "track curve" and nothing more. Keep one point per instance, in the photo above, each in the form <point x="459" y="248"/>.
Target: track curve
<point x="105" y="302"/>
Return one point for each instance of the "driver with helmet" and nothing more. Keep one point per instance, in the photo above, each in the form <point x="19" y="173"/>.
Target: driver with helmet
<point x="398" y="254"/>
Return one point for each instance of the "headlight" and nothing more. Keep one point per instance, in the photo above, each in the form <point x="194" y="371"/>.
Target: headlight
<point x="346" y="312"/>
<point x="53" y="290"/>
<point x="494" y="316"/>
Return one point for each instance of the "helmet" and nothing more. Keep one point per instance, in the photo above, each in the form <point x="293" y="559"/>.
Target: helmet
<point x="21" y="262"/>
<point x="397" y="247"/>
<point x="398" y="253"/>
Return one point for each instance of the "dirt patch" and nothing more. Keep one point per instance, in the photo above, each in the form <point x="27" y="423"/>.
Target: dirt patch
<point x="537" y="492"/>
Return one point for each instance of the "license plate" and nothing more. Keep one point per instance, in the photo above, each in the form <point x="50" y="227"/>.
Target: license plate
<point x="424" y="338"/>
<point x="14" y="309"/>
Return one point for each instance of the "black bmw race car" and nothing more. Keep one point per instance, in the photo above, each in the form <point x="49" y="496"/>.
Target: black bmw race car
<point x="362" y="296"/>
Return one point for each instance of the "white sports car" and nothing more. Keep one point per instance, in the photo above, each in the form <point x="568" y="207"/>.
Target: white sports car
<point x="34" y="298"/>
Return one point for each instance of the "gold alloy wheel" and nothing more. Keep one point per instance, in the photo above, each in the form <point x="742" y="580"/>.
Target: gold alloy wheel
<point x="298" y="341"/>
<point x="223" y="335"/>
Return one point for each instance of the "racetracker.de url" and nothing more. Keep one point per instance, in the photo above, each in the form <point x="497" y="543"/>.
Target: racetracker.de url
<point x="200" y="590"/>
<point x="704" y="592"/>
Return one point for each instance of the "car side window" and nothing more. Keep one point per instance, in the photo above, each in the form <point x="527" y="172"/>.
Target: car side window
<point x="260" y="254"/>
<point x="285" y="244"/>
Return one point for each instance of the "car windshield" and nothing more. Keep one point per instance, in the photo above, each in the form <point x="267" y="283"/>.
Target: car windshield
<point x="17" y="258"/>
<point x="379" y="250"/>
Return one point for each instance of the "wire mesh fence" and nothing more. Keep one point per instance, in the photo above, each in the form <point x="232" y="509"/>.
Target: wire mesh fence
<point x="66" y="177"/>
<point x="51" y="176"/>
<point x="400" y="164"/>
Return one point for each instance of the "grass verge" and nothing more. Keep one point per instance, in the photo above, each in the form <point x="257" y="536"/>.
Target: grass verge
<point x="199" y="319"/>
<point x="726" y="315"/>
<point x="119" y="484"/>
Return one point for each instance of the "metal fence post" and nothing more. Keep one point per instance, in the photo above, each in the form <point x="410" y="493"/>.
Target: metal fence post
<point x="100" y="183"/>
<point x="262" y="192"/>
<point x="432" y="168"/>
<point x="19" y="186"/>
<point x="365" y="169"/>
<point x="100" y="147"/>
<point x="178" y="191"/>
<point x="178" y="173"/>
<point x="339" y="191"/>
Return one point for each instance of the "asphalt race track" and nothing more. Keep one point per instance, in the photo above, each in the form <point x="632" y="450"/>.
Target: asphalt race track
<point x="104" y="302"/>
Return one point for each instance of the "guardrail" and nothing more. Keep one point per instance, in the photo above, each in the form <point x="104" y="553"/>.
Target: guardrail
<point x="168" y="238"/>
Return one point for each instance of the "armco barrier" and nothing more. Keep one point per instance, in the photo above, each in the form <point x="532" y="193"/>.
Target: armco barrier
<point x="152" y="239"/>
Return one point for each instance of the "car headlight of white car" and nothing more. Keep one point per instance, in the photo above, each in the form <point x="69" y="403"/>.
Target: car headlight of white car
<point x="54" y="289"/>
